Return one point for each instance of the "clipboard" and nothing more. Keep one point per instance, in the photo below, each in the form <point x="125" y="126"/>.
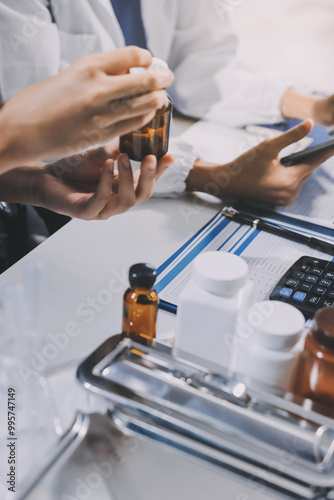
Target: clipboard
<point x="221" y="234"/>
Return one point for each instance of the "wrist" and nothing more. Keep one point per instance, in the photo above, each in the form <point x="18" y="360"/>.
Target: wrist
<point x="323" y="110"/>
<point x="199" y="176"/>
<point x="21" y="185"/>
<point x="6" y="143"/>
<point x="35" y="190"/>
<point x="298" y="106"/>
<point x="211" y="178"/>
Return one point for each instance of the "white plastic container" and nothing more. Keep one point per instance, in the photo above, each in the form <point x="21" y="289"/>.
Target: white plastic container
<point x="218" y="291"/>
<point x="269" y="343"/>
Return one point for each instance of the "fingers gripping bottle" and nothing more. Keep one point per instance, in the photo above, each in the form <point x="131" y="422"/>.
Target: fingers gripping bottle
<point x="153" y="138"/>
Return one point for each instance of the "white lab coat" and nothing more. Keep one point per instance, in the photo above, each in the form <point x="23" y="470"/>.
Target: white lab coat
<point x="193" y="36"/>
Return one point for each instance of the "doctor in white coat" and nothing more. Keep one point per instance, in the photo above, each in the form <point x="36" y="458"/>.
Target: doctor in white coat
<point x="41" y="37"/>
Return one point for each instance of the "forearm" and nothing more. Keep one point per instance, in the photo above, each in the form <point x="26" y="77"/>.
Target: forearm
<point x="15" y="143"/>
<point x="20" y="185"/>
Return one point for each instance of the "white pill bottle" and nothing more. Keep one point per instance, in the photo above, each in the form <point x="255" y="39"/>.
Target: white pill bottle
<point x="216" y="294"/>
<point x="269" y="341"/>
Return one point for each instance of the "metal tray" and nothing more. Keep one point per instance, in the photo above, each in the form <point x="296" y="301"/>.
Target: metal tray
<point x="197" y="434"/>
<point x="248" y="429"/>
<point x="99" y="460"/>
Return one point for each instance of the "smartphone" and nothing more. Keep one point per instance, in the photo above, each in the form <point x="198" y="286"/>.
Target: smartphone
<point x="307" y="154"/>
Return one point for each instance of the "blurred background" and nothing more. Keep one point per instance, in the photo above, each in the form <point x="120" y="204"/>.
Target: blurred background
<point x="295" y="36"/>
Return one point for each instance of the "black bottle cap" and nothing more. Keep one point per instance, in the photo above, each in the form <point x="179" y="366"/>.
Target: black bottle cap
<point x="142" y="276"/>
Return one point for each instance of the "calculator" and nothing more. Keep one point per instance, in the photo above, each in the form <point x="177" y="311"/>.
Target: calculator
<point x="308" y="285"/>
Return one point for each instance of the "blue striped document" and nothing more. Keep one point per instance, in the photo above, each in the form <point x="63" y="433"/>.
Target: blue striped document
<point x="268" y="256"/>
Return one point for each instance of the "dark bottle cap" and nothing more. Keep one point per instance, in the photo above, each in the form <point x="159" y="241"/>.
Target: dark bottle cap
<point x="142" y="276"/>
<point x="323" y="331"/>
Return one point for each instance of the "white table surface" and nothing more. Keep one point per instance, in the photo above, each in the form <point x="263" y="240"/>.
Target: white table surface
<point x="83" y="257"/>
<point x="80" y="260"/>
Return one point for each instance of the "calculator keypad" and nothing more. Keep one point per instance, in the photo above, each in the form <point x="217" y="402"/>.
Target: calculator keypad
<point x="308" y="285"/>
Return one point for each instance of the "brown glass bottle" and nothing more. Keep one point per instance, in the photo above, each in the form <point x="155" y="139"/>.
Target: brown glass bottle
<point x="314" y="377"/>
<point x="153" y="139"/>
<point x="141" y="303"/>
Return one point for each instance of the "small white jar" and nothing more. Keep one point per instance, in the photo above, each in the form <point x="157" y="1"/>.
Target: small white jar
<point x="218" y="291"/>
<point x="269" y="343"/>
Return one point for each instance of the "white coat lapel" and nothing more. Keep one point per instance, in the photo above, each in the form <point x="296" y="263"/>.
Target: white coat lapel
<point x="90" y="17"/>
<point x="107" y="18"/>
<point x="159" y="17"/>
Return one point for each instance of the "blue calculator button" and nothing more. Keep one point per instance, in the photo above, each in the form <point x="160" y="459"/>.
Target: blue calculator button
<point x="299" y="296"/>
<point x="329" y="275"/>
<point x="285" y="292"/>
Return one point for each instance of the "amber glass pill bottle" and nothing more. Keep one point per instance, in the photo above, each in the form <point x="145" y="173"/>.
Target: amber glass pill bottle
<point x="153" y="138"/>
<point x="140" y="306"/>
<point x="314" y="377"/>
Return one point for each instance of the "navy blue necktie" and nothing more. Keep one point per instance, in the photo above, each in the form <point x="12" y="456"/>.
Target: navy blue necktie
<point x="128" y="14"/>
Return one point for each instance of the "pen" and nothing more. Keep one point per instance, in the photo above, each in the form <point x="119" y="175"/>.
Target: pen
<point x="245" y="218"/>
